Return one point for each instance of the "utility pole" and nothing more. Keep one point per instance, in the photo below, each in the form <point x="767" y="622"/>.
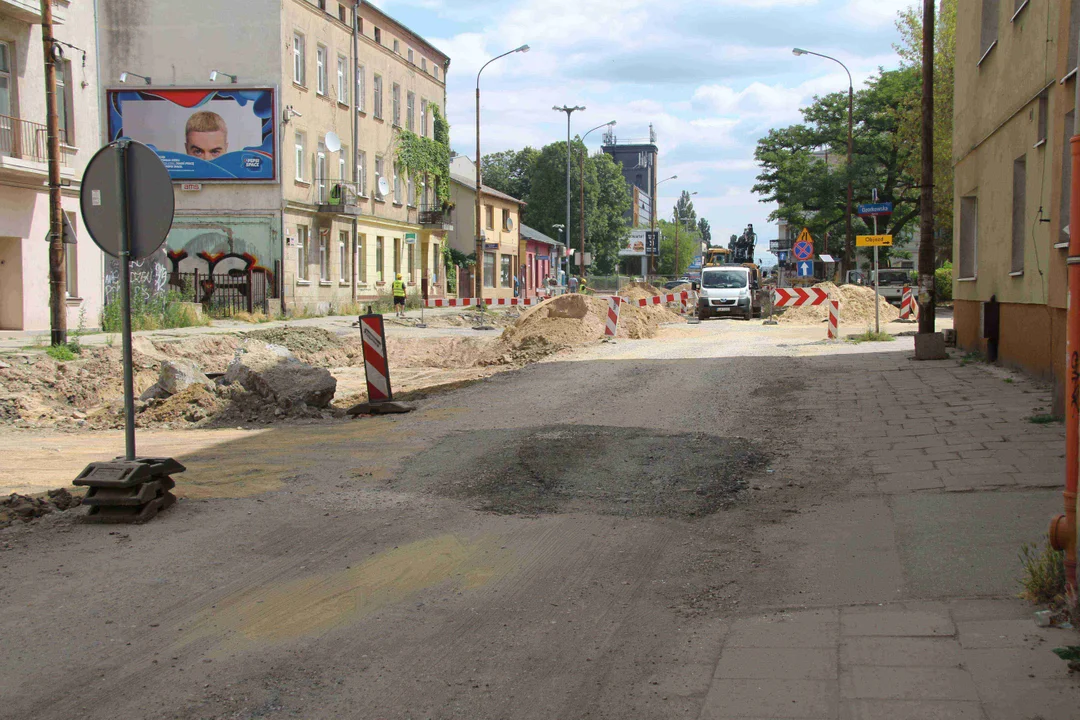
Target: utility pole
<point x="927" y="291"/>
<point x="57" y="278"/>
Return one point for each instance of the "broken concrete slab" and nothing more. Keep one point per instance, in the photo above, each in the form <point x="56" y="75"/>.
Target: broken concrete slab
<point x="273" y="372"/>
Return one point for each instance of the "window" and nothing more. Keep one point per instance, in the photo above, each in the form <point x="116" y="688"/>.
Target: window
<point x="378" y="36"/>
<point x="489" y="217"/>
<point x="71" y="260"/>
<point x="397" y="184"/>
<point x="65" y="102"/>
<point x="990" y="12"/>
<point x="360" y="93"/>
<point x="1066" y="179"/>
<point x="320" y="172"/>
<point x="969" y="216"/>
<point x="397" y="47"/>
<point x="361" y="172"/>
<point x="1043" y="110"/>
<point x="343" y="165"/>
<point x="358" y="22"/>
<point x="380" y="259"/>
<point x="412" y="261"/>
<point x="300" y="156"/>
<point x="506" y="271"/>
<point x="410" y="112"/>
<point x="423" y="118"/>
<point x="397" y="256"/>
<point x="489" y="270"/>
<point x="435" y="70"/>
<point x="343" y="256"/>
<point x="5" y="79"/>
<point x="423" y="64"/>
<point x="302" y="249"/>
<point x="410" y="189"/>
<point x="361" y="258"/>
<point x="298" y="58"/>
<point x="378" y="175"/>
<point x="342" y="84"/>
<point x="322" y="5"/>
<point x="320" y="70"/>
<point x="506" y="220"/>
<point x="324" y="255"/>
<point x="1019" y="213"/>
<point x="411" y="57"/>
<point x="341" y="13"/>
<point x="377" y="79"/>
<point x="397" y="104"/>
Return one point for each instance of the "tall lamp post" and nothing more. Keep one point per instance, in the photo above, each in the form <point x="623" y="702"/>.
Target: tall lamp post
<point x="678" y="222"/>
<point x="655" y="205"/>
<point x="849" y="245"/>
<point x="559" y="231"/>
<point x="581" y="265"/>
<point x="570" y="111"/>
<point x="479" y="237"/>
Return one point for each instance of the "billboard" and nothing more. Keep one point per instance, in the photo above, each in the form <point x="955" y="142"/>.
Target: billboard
<point x="201" y="134"/>
<point x="635" y="244"/>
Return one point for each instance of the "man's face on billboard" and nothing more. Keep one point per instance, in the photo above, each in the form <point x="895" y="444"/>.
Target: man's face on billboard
<point x="207" y="145"/>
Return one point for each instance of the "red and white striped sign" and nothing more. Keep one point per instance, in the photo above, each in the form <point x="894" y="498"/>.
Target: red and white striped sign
<point x="511" y="301"/>
<point x="661" y="299"/>
<point x="908" y="306"/>
<point x="376" y="367"/>
<point x="793" y="297"/>
<point x="611" y="327"/>
<point x="467" y="302"/>
<point x="834" y="319"/>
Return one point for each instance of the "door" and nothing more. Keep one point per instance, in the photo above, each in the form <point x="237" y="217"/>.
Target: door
<point x="11" y="286"/>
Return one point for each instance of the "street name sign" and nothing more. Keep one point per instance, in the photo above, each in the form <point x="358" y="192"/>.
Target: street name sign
<point x="873" y="240"/>
<point x="875" y="209"/>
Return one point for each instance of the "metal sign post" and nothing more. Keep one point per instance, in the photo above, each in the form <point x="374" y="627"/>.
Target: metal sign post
<point x="874" y="210"/>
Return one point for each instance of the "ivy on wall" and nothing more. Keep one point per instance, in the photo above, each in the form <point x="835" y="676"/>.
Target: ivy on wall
<point x="421" y="157"/>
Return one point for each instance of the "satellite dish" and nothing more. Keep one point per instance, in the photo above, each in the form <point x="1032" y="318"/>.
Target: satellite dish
<point x="509" y="223"/>
<point x="333" y="142"/>
<point x="384" y="186"/>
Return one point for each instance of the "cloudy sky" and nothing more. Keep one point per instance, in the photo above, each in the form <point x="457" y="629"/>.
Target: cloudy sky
<point x="712" y="76"/>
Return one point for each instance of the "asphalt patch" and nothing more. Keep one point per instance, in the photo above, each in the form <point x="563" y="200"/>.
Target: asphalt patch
<point x="596" y="469"/>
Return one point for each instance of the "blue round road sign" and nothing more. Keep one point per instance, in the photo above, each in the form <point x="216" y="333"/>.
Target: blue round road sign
<point x="803" y="250"/>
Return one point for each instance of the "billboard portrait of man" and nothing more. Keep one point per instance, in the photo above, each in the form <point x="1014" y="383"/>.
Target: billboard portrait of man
<point x="206" y="136"/>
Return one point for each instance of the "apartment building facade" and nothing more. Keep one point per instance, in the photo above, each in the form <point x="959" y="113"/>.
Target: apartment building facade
<point x="338" y="217"/>
<point x="24" y="198"/>
<point x="1016" y="73"/>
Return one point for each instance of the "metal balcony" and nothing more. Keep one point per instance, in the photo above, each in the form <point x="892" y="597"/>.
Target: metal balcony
<point x="24" y="148"/>
<point x="29" y="11"/>
<point x="337" y="197"/>
<point x="434" y="216"/>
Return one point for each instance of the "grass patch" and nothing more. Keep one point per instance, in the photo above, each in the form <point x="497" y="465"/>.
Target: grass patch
<point x="64" y="353"/>
<point x="253" y="317"/>
<point x="1045" y="419"/>
<point x="159" y="313"/>
<point x="1044" y="573"/>
<point x="871" y="336"/>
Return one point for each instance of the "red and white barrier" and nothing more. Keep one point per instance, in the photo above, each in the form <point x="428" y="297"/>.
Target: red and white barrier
<point x="468" y="302"/>
<point x="834" y="319"/>
<point x="794" y="297"/>
<point x="376" y="368"/>
<point x="909" y="309"/>
<point x="611" y="327"/>
<point x="663" y="299"/>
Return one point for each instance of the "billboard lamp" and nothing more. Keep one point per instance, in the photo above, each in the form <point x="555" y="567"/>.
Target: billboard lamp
<point x="125" y="75"/>
<point x="215" y="73"/>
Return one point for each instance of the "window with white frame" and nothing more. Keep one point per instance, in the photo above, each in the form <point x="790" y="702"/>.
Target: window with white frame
<point x="397" y="104"/>
<point x="423" y="117"/>
<point x="343" y="256"/>
<point x="435" y="70"/>
<point x="324" y="255"/>
<point x="361" y="172"/>
<point x="423" y="64"/>
<point x="969" y="237"/>
<point x="303" y="250"/>
<point x="397" y="183"/>
<point x="1019" y="213"/>
<point x="343" y="165"/>
<point x="71" y="260"/>
<point x="300" y="141"/>
<point x="410" y="112"/>
<point x="360" y="92"/>
<point x="380" y="259"/>
<point x="342" y="82"/>
<point x="397" y="47"/>
<point x="361" y="258"/>
<point x="379" y="174"/>
<point x="298" y="59"/>
<point x="411" y="190"/>
<point x="377" y="82"/>
<point x="411" y="57"/>
<point x="65" y="102"/>
<point x="5" y="78"/>
<point x="378" y="36"/>
<point x="320" y="172"/>
<point x="320" y="70"/>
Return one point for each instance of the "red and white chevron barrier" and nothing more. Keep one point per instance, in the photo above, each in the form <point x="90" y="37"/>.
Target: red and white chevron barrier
<point x="909" y="309"/>
<point x="468" y="302"/>
<point x="834" y="319"/>
<point x="611" y="327"/>
<point x="794" y="297"/>
<point x="376" y="368"/>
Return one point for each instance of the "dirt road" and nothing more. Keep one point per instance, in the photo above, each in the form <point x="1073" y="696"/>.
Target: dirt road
<point x="569" y="540"/>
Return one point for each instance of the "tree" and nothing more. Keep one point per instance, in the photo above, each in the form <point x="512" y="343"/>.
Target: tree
<point x="705" y="230"/>
<point x="689" y="246"/>
<point x="909" y="24"/>
<point x="684" y="209"/>
<point x="509" y="171"/>
<point x="804" y="167"/>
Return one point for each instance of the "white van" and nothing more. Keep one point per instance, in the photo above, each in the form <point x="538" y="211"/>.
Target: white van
<point x="728" y="290"/>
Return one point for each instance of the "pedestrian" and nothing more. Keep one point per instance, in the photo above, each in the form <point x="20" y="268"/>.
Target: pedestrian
<point x="399" y="296"/>
<point x="573" y="283"/>
<point x="517" y="286"/>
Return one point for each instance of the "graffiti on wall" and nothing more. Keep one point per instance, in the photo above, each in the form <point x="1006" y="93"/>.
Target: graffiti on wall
<point x="149" y="277"/>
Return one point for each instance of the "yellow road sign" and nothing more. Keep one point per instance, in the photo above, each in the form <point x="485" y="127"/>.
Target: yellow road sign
<point x="873" y="240"/>
<point x="804" y="236"/>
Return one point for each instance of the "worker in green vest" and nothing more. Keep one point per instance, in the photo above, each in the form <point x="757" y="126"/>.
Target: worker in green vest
<point x="399" y="296"/>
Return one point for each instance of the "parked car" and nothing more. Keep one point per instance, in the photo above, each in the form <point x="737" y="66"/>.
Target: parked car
<point x="891" y="284"/>
<point x="672" y="284"/>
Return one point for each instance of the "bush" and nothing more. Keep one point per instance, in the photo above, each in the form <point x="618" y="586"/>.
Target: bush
<point x="167" y="310"/>
<point x="64" y="353"/>
<point x="1044" y="573"/>
<point x="943" y="281"/>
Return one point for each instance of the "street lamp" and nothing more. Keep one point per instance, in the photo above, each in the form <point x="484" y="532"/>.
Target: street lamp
<point x="569" y="111"/>
<point x="479" y="238"/>
<point x="581" y="265"/>
<point x="849" y="246"/>
<point x="678" y="222"/>
<point x="559" y="230"/>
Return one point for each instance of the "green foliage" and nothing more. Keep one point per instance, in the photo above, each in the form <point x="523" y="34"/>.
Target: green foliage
<point x="510" y="171"/>
<point x="63" y="353"/>
<point x="1045" y="419"/>
<point x="871" y="336"/>
<point x="943" y="281"/>
<point x="706" y="231"/>
<point x="1044" y="573"/>
<point x="167" y="310"/>
<point x="421" y="157"/>
<point x="689" y="245"/>
<point x="684" y="209"/>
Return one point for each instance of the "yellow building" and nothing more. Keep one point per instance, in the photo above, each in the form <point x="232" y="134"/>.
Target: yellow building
<point x="1016" y="69"/>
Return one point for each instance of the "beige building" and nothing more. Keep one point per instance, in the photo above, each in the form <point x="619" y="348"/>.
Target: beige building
<point x="500" y="216"/>
<point x="1016" y="70"/>
<point x="24" y="198"/>
<point x="340" y="218"/>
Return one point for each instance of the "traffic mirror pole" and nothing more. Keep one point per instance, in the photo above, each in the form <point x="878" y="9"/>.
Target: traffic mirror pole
<point x="877" y="285"/>
<point x="125" y="300"/>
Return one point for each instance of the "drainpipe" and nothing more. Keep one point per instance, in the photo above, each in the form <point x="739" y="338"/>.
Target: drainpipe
<point x="355" y="140"/>
<point x="1063" y="527"/>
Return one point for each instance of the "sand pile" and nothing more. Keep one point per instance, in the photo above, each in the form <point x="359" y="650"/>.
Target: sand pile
<point x="856" y="307"/>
